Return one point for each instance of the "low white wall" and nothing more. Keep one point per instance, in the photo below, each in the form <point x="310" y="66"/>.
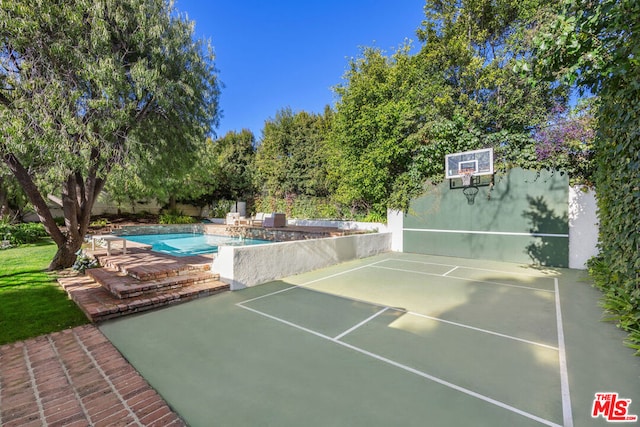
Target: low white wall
<point x="244" y="266"/>
<point x="343" y="225"/>
<point x="583" y="226"/>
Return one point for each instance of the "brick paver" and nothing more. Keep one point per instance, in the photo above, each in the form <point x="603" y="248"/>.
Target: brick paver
<point x="75" y="378"/>
<point x="139" y="281"/>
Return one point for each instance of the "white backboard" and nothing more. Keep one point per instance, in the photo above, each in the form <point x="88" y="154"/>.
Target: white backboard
<point x="480" y="161"/>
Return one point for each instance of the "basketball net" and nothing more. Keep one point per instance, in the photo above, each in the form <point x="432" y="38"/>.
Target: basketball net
<point x="469" y="190"/>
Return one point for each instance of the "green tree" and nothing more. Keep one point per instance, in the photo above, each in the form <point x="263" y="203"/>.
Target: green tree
<point x="88" y="85"/>
<point x="596" y="45"/>
<point x="476" y="43"/>
<point x="380" y="107"/>
<point x="291" y="157"/>
<point x="231" y="166"/>
<point x="397" y="117"/>
<point x="565" y="143"/>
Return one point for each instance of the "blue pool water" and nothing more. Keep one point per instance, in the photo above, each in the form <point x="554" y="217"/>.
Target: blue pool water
<point x="186" y="244"/>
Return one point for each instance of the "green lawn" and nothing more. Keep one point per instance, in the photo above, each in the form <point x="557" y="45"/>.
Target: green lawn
<point x="31" y="302"/>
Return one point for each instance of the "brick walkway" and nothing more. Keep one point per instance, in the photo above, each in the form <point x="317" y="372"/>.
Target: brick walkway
<point x="75" y="378"/>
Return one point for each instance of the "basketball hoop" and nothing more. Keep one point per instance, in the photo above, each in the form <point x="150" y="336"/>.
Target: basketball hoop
<point x="469" y="170"/>
<point x="466" y="176"/>
<point x="470" y="193"/>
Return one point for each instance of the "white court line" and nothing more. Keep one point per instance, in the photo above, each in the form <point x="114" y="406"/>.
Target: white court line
<point x="471" y="268"/>
<point x="562" y="356"/>
<point x="484" y="331"/>
<point x="412" y="370"/>
<point x="464" y="278"/>
<point x="492" y="233"/>
<point x="267" y="295"/>
<point x="343" y="272"/>
<point x="367" y="320"/>
<point x="385" y="308"/>
<point x="311" y="281"/>
<point x="450" y="271"/>
<point x="286" y="322"/>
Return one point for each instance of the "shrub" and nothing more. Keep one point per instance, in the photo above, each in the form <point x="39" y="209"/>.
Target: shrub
<point x="220" y="208"/>
<point x="301" y="207"/>
<point x="176" y="217"/>
<point x="84" y="261"/>
<point x="20" y="234"/>
<point x="620" y="305"/>
<point x="100" y="222"/>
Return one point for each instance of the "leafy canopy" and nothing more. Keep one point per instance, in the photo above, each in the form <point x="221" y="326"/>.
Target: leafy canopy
<point x="396" y="117"/>
<point x="291" y="157"/>
<point x="89" y="85"/>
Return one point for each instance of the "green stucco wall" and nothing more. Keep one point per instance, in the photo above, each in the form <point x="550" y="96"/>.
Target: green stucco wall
<point x="524" y="218"/>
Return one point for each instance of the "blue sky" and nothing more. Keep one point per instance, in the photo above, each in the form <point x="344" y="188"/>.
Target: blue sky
<point x="287" y="53"/>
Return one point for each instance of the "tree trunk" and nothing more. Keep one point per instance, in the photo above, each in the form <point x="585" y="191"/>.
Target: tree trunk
<point x="65" y="256"/>
<point x="77" y="201"/>
<point x="4" y="205"/>
<point x="36" y="199"/>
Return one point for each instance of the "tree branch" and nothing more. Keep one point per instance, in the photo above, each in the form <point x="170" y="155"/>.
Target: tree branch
<point x="4" y="100"/>
<point x="36" y="199"/>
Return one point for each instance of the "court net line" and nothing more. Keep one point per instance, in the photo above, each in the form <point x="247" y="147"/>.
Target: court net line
<point x="408" y="369"/>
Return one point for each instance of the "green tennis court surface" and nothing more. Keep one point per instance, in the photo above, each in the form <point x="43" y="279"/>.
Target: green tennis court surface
<point x="397" y="339"/>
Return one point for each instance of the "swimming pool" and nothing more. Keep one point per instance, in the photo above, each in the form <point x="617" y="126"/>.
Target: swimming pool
<point x="187" y="244"/>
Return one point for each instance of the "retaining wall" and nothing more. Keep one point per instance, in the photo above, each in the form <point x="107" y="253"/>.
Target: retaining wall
<point x="244" y="266"/>
<point x="133" y="230"/>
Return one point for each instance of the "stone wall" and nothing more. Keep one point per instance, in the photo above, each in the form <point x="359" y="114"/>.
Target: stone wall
<point x="133" y="230"/>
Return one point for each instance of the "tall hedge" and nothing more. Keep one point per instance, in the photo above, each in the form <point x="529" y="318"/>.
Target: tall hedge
<point x="596" y="45"/>
<point x="618" y="192"/>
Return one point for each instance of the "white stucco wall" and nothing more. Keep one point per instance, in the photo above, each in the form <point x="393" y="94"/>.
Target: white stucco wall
<point x="244" y="266"/>
<point x="395" y="223"/>
<point x="583" y="226"/>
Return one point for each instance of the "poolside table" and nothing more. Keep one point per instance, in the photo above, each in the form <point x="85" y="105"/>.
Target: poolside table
<point x="109" y="238"/>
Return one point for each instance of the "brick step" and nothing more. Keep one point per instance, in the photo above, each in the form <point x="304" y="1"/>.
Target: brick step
<point x="152" y="265"/>
<point x="123" y="286"/>
<point x="99" y="304"/>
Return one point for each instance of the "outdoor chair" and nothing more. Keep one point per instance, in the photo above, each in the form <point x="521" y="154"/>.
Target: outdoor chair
<point x="275" y="220"/>
<point x="232" y="218"/>
<point x="257" y="219"/>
